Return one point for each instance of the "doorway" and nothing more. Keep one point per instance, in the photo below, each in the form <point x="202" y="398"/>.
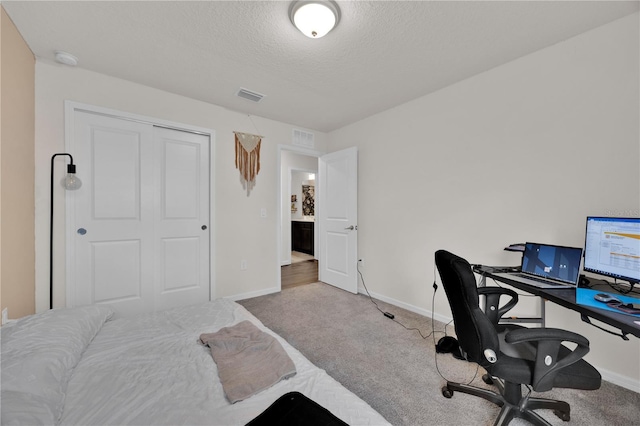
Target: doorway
<point x="298" y="230"/>
<point x="335" y="235"/>
<point x="301" y="272"/>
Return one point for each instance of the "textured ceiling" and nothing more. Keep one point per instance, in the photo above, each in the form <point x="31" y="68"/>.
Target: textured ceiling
<point x="382" y="53"/>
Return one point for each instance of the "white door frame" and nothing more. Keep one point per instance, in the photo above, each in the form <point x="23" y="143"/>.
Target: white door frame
<point x="70" y="108"/>
<point x="301" y="151"/>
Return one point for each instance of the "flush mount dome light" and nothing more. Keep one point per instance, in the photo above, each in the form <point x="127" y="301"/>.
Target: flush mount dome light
<point x="314" y="18"/>
<point x="66" y="58"/>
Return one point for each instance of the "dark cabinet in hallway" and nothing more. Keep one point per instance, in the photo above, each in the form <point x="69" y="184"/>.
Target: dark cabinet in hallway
<point x="302" y="236"/>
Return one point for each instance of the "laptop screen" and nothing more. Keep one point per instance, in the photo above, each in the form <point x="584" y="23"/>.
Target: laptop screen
<point x="553" y="262"/>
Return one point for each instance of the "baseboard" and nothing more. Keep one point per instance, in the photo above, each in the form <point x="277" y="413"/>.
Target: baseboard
<point x="406" y="306"/>
<point x="252" y="294"/>
<point x="620" y="380"/>
<point x="609" y="376"/>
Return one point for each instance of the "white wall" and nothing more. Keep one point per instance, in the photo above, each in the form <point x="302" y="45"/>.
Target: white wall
<point x="522" y="152"/>
<point x="240" y="232"/>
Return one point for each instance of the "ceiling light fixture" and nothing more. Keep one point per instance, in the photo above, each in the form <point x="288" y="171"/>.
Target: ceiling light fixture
<point x="314" y="18"/>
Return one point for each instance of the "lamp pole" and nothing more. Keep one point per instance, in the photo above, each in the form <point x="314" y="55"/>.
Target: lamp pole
<point x="70" y="182"/>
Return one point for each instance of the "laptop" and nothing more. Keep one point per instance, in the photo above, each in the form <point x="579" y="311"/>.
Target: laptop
<point x="548" y="266"/>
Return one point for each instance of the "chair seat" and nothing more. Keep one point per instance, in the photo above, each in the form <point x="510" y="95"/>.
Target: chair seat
<point x="580" y="375"/>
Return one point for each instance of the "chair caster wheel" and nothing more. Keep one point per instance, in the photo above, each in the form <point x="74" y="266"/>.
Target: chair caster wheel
<point x="487" y="379"/>
<point x="446" y="392"/>
<point x="564" y="415"/>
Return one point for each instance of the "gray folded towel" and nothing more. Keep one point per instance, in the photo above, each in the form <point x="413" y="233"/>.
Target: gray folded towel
<point x="249" y="360"/>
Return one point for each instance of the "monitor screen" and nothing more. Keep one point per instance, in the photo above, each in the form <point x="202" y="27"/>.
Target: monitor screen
<point x="612" y="247"/>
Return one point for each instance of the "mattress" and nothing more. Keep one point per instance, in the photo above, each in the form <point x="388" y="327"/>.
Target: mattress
<point x="152" y="369"/>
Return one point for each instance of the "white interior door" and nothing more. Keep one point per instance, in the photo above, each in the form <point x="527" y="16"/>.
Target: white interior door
<point x="139" y="243"/>
<point x="338" y="217"/>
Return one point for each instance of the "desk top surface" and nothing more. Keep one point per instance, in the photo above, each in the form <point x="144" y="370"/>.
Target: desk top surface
<point x="566" y="297"/>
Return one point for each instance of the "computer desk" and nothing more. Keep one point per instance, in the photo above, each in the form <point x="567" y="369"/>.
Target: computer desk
<point x="567" y="298"/>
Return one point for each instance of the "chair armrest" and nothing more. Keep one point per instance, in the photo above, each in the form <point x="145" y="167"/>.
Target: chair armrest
<point x="492" y="306"/>
<point x="549" y="356"/>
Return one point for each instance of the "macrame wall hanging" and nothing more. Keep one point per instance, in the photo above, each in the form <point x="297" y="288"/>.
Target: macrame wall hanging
<point x="248" y="158"/>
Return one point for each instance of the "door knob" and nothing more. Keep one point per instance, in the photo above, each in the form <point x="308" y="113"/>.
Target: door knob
<point x="204" y="227"/>
<point x="350" y="228"/>
<point x="81" y="231"/>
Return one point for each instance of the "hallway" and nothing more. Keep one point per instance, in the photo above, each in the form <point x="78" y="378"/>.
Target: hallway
<point x="303" y="270"/>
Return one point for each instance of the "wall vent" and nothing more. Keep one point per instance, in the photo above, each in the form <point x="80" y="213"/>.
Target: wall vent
<point x="250" y="95"/>
<point x="302" y="138"/>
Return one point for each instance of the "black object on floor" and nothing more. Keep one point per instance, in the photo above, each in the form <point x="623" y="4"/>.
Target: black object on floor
<point x="295" y="409"/>
<point x="449" y="344"/>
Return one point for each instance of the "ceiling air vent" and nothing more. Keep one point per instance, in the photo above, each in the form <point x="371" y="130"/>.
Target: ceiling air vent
<point x="302" y="138"/>
<point x="249" y="95"/>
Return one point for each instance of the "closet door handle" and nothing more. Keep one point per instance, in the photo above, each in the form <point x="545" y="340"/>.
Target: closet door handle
<point x="204" y="227"/>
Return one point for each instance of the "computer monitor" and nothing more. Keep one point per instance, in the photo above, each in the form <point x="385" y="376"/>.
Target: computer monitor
<point x="612" y="247"/>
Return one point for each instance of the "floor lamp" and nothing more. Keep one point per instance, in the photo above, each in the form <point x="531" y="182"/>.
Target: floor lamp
<point x="70" y="182"/>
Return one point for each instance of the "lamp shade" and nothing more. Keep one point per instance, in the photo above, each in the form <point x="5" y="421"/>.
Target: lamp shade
<point x="314" y="18"/>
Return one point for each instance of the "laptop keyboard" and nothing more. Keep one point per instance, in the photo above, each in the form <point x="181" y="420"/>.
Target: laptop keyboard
<point x="540" y="280"/>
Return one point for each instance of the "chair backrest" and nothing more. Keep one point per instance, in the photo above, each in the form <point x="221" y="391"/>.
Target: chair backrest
<point x="474" y="330"/>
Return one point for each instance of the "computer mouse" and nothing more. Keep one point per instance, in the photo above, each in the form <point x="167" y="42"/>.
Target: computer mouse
<point x="603" y="297"/>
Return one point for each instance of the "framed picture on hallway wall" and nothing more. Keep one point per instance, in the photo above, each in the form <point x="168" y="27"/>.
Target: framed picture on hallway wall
<point x="308" y="200"/>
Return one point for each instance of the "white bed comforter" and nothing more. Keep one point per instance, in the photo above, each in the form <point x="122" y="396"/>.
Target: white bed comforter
<point x="152" y="370"/>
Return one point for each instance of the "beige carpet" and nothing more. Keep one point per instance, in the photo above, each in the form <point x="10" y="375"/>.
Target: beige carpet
<point x="395" y="370"/>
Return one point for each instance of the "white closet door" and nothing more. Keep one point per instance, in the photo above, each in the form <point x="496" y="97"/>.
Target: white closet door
<point x="181" y="218"/>
<point x="136" y="245"/>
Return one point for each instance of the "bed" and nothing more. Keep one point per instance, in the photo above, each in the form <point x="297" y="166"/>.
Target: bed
<point x="77" y="366"/>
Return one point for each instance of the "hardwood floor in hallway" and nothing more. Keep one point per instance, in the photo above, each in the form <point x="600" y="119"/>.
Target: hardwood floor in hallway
<point x="299" y="273"/>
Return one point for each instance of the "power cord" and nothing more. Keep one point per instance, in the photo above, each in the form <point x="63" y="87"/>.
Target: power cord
<point x="433" y="330"/>
<point x="389" y="314"/>
<point x="435" y="353"/>
<point x="617" y="287"/>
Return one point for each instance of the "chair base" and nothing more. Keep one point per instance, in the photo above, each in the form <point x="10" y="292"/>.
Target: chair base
<point x="512" y="402"/>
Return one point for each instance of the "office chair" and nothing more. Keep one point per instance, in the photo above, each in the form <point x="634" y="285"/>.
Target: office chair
<point x="512" y="356"/>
